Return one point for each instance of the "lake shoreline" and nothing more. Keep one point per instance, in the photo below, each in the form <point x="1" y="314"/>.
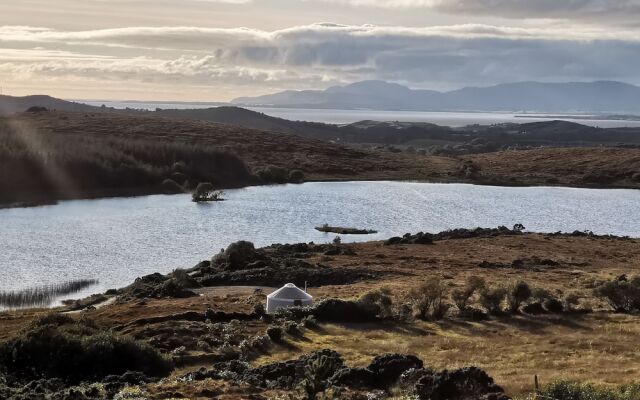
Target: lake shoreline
<point x="559" y="263"/>
<point x="134" y="193"/>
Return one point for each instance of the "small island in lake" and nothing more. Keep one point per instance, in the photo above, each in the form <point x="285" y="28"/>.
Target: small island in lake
<point x="344" y="231"/>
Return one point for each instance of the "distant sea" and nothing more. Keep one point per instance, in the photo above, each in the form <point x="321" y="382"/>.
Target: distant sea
<point x="329" y="116"/>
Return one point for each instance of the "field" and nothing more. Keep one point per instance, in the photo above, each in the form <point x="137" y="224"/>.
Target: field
<point x="511" y="348"/>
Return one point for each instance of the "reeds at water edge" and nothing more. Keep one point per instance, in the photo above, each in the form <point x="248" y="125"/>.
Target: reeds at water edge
<point x="42" y="295"/>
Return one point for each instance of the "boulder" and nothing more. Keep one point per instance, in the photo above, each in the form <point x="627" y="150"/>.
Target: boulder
<point x="469" y="383"/>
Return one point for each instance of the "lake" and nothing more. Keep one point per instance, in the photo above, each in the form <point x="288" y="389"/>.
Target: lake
<point x="116" y="240"/>
<point x="329" y="116"/>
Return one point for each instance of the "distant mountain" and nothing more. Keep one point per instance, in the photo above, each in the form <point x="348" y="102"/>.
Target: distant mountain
<point x="11" y="104"/>
<point x="600" y="96"/>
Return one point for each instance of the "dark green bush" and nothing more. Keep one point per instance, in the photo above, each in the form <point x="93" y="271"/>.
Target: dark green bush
<point x="170" y="186"/>
<point x="60" y="347"/>
<point x="296" y="176"/>
<point x="273" y="174"/>
<point x="274" y="333"/>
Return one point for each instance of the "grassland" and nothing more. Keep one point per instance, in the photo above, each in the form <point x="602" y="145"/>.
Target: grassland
<point x="597" y="345"/>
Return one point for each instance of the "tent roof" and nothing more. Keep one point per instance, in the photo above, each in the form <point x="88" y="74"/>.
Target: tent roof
<point x="290" y="292"/>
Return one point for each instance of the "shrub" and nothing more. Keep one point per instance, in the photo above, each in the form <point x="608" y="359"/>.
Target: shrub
<point x="570" y="301"/>
<point x="316" y="373"/>
<point x="462" y="296"/>
<point x="238" y="254"/>
<point x="518" y="293"/>
<point x="622" y="295"/>
<point x="205" y="192"/>
<point x="60" y="347"/>
<point x="273" y="174"/>
<point x="170" y="186"/>
<point x="274" y="333"/>
<point x="491" y="299"/>
<point x="429" y="299"/>
<point x="337" y="240"/>
<point x="377" y="302"/>
<point x="337" y="310"/>
<point x="183" y="279"/>
<point x="566" y="390"/>
<point x="553" y="305"/>
<point x="296" y="176"/>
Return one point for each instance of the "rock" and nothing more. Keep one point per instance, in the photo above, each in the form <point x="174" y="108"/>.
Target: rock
<point x="239" y="254"/>
<point x="389" y="367"/>
<point x="553" y="305"/>
<point x="392" y="241"/>
<point x="469" y="383"/>
<point x="534" y="308"/>
<point x="355" y="378"/>
<point x="337" y="310"/>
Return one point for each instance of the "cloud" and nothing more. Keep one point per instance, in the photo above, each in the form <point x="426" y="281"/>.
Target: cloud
<point x="317" y="55"/>
<point x="601" y="12"/>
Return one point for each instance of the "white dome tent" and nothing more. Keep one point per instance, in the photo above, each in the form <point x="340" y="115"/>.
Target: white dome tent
<point x="288" y="296"/>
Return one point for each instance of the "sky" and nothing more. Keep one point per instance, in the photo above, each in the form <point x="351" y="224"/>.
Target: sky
<point x="216" y="50"/>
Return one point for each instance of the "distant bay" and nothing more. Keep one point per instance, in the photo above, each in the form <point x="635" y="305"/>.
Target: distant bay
<point x="330" y="116"/>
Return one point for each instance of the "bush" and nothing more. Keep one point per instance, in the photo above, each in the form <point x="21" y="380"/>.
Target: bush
<point x="183" y="279"/>
<point x="564" y="390"/>
<point x="377" y="302"/>
<point x="622" y="295"/>
<point x="316" y="372"/>
<point x="274" y="333"/>
<point x="462" y="296"/>
<point x="491" y="299"/>
<point x="205" y="192"/>
<point x="553" y="305"/>
<point x="337" y="310"/>
<point x="60" y="347"/>
<point x="296" y="176"/>
<point x="429" y="299"/>
<point x="518" y="293"/>
<point x="170" y="186"/>
<point x="238" y="254"/>
<point x="273" y="174"/>
<point x="570" y="301"/>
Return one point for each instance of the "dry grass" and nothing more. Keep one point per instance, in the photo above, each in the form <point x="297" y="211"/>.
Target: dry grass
<point x="601" y="348"/>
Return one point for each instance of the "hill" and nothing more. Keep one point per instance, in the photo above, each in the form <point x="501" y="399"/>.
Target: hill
<point x="46" y="156"/>
<point x="600" y="96"/>
<point x="12" y="104"/>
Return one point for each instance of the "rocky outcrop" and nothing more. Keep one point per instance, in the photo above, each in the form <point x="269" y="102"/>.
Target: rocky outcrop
<point x="469" y="383"/>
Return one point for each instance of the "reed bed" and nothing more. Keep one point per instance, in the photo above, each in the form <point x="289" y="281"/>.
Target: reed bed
<point x="42" y="295"/>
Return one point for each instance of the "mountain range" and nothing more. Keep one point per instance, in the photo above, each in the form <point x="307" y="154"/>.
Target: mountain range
<point x="596" y="97"/>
